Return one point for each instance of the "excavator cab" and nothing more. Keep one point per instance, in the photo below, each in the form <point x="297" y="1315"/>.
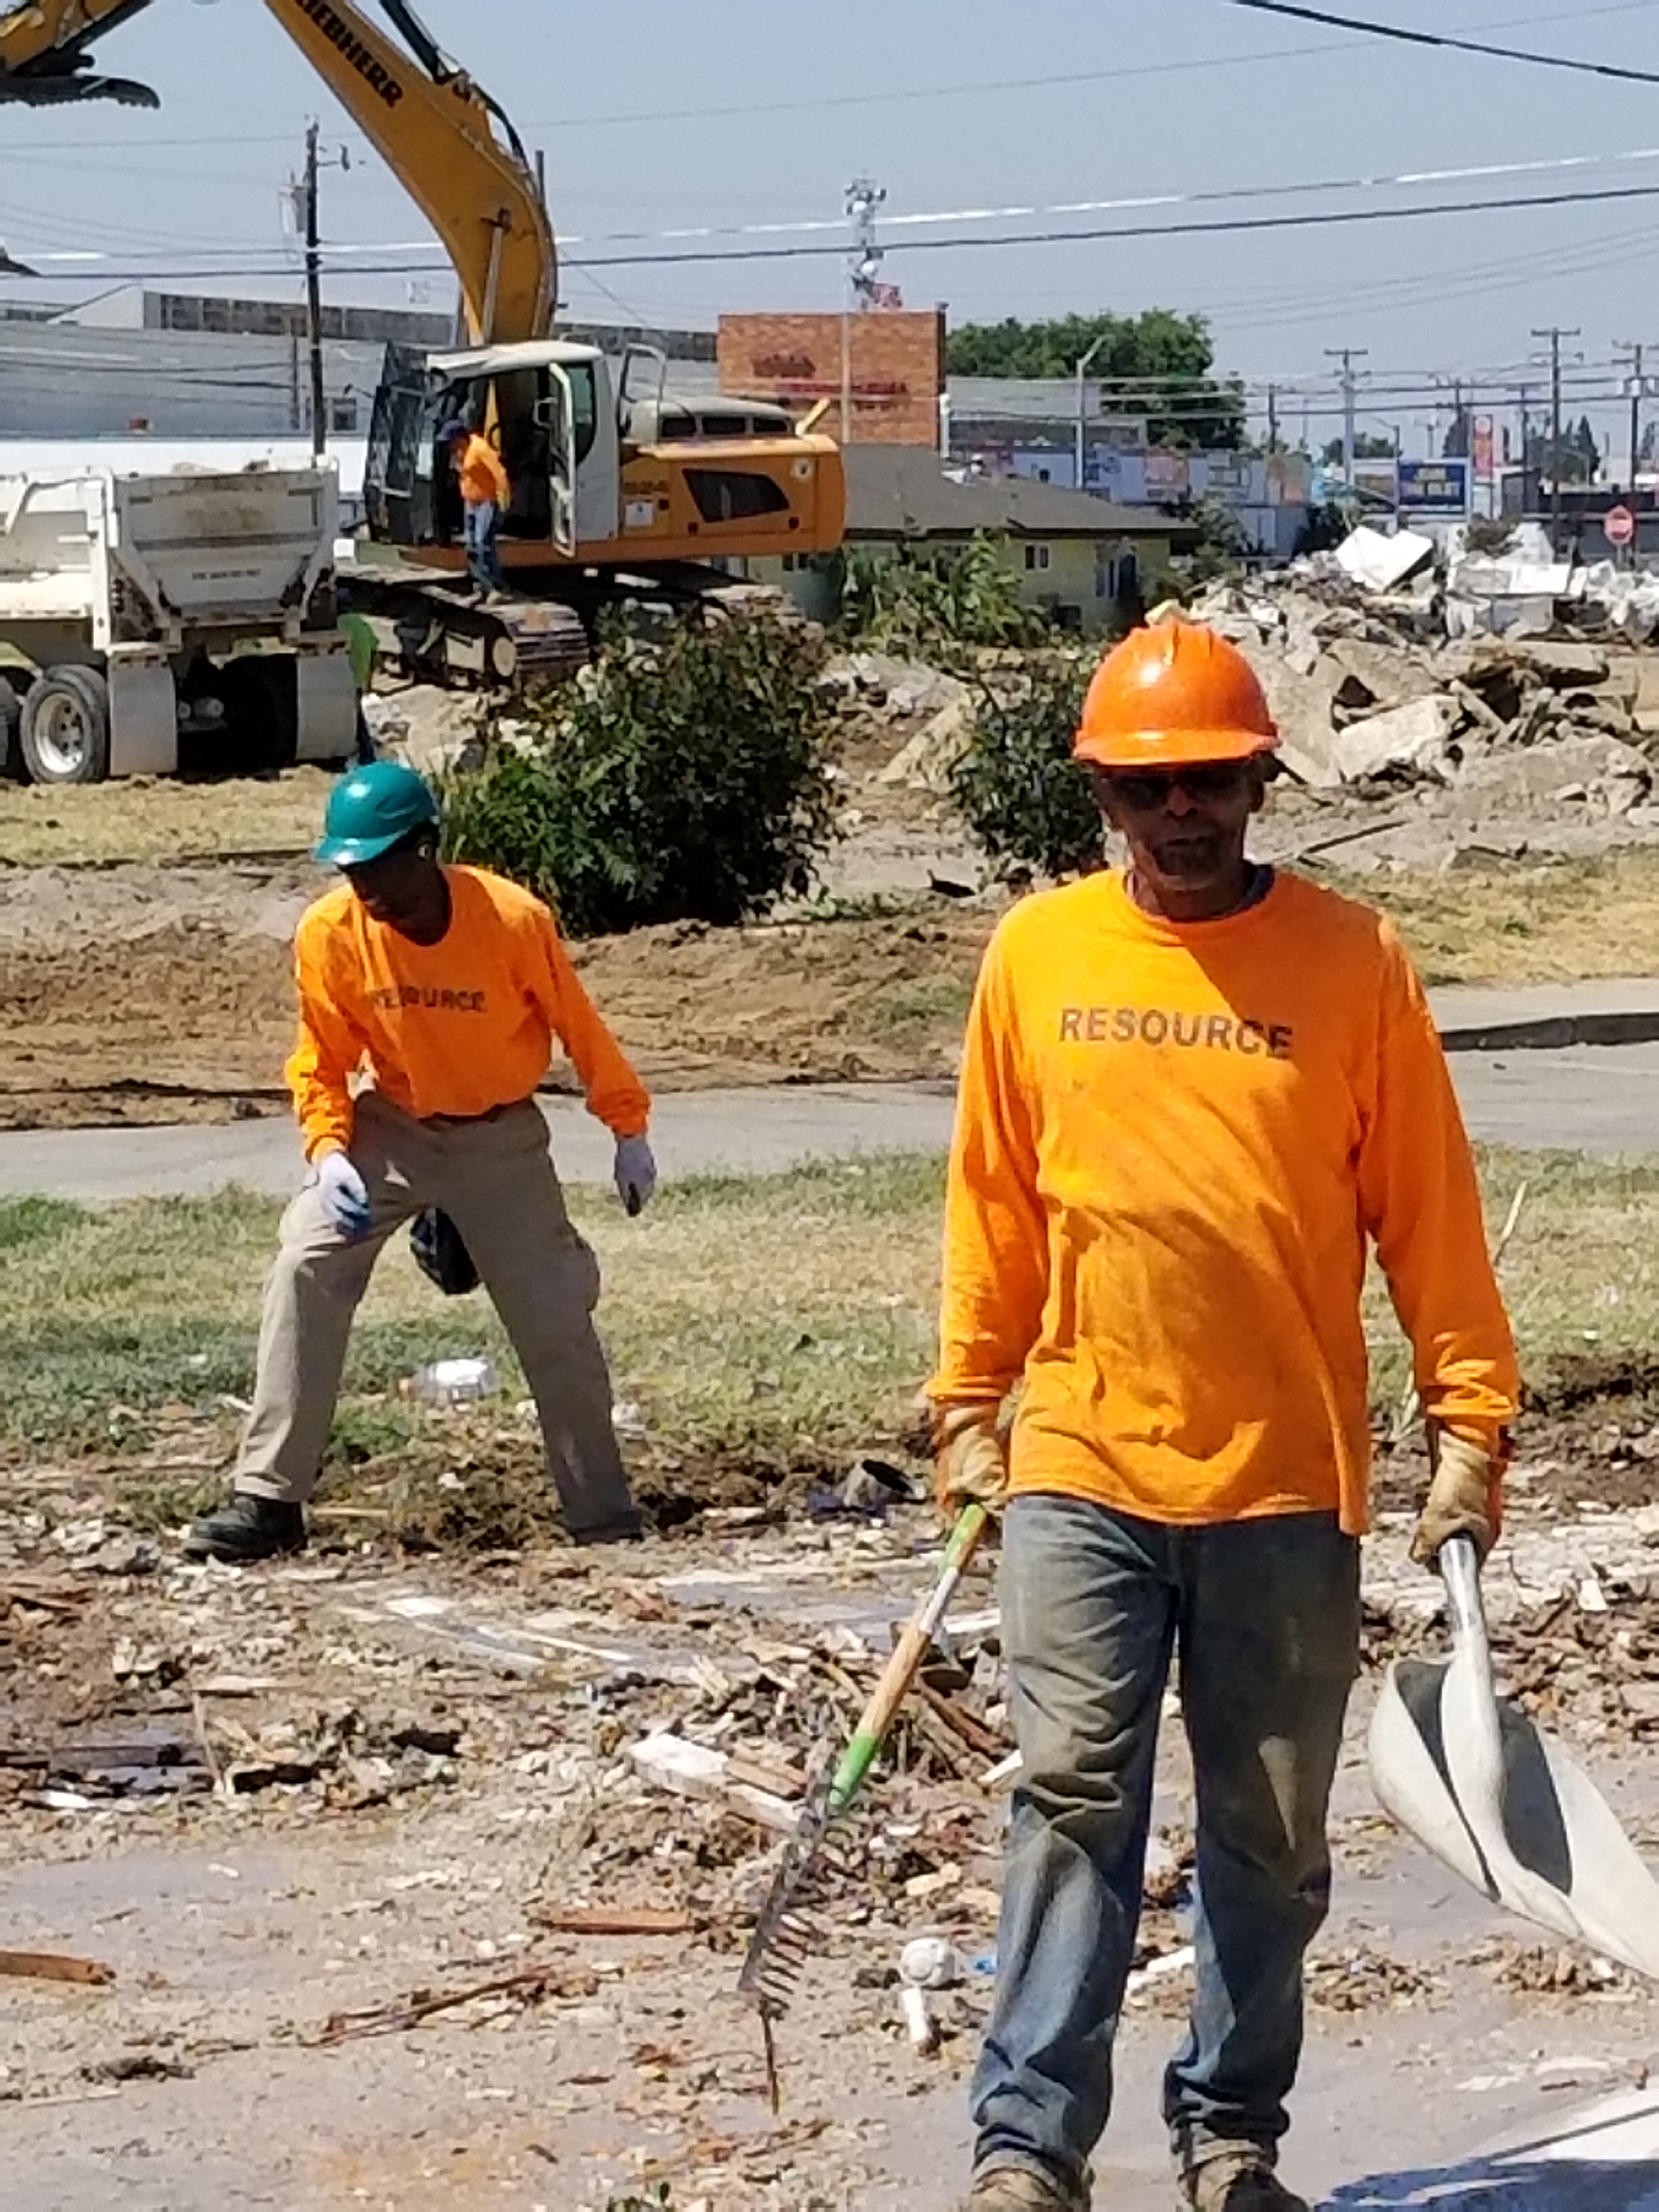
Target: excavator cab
<point x="550" y="411"/>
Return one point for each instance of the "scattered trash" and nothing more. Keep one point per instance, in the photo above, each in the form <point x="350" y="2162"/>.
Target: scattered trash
<point x="607" y="1920"/>
<point x="55" y="1966"/>
<point x="527" y="1986"/>
<point x="453" y="1382"/>
<point x="930" y="1962"/>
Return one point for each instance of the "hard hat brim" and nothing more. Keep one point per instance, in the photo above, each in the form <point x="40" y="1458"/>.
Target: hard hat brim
<point x="357" y="852"/>
<point x="1154" y="749"/>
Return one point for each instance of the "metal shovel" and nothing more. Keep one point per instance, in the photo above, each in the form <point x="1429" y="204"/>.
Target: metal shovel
<point x="1499" y="1802"/>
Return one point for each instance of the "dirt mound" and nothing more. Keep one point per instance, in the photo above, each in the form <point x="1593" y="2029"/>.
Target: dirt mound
<point x="135" y="994"/>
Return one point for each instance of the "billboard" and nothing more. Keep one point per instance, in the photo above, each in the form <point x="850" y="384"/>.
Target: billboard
<point x="880" y="377"/>
<point x="1483" y="448"/>
<point x="1433" y="488"/>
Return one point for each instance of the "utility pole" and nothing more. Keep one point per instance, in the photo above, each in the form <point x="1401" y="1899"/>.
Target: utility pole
<point x="1272" y="418"/>
<point x="306" y="196"/>
<point x="1555" y="334"/>
<point x="1630" y="355"/>
<point x="1081" y="425"/>
<point x="1348" y="355"/>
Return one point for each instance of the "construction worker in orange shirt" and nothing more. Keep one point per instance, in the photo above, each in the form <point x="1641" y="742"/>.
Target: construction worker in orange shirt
<point x="486" y="494"/>
<point x="1193" y="1091"/>
<point x="430" y="999"/>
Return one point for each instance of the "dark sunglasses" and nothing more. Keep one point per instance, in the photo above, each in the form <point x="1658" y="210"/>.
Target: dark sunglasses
<point x="1145" y="789"/>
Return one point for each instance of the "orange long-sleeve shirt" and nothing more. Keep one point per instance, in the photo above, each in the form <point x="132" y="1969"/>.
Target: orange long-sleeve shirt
<point x="482" y="477"/>
<point x="1172" y="1146"/>
<point x="458" y="1027"/>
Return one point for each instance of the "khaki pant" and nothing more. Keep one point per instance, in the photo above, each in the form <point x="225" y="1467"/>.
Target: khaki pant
<point x="496" y="1180"/>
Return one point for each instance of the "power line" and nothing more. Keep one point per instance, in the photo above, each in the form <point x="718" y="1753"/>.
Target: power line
<point x="888" y="96"/>
<point x="1204" y="227"/>
<point x="1410" y="38"/>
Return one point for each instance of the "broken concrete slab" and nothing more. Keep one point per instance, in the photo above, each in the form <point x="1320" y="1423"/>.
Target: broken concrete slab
<point x="1301" y="707"/>
<point x="1382" y="563"/>
<point x="1375" y="677"/>
<point x="1412" y="737"/>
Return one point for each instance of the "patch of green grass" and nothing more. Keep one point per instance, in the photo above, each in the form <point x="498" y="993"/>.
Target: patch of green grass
<point x="746" y="1315"/>
<point x="756" y="1320"/>
<point x="35" y="1221"/>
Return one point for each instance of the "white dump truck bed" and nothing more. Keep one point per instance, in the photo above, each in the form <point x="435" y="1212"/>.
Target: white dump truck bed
<point x="159" y="585"/>
<point x="145" y="558"/>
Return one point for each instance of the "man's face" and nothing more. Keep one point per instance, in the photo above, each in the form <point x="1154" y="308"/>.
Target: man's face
<point x="404" y="888"/>
<point x="1185" y="827"/>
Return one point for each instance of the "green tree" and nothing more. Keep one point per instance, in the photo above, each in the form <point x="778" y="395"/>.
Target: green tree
<point x="683" y="779"/>
<point x="1159" y="364"/>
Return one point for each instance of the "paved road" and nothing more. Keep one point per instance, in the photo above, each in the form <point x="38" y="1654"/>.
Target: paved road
<point x="1590" y="1099"/>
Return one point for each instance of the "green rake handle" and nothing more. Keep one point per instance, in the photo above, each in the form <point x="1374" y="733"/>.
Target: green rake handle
<point x="901" y="1670"/>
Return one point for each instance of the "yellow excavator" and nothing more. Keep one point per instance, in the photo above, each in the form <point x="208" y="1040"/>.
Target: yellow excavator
<point x="620" y="490"/>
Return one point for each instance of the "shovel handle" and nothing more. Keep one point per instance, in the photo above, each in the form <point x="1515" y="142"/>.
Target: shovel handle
<point x="1460" y="1569"/>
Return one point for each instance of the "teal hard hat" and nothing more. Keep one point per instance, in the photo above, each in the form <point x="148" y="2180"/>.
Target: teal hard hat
<point x="372" y="810"/>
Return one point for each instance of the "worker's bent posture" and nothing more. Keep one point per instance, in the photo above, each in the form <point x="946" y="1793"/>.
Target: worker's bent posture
<point x="446" y="987"/>
<point x="486" y="494"/>
<point x="1192" y="1091"/>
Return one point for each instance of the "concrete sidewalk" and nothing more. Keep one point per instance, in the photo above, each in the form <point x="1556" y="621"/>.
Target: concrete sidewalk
<point x="1602" y="1099"/>
<point x="1572" y="1068"/>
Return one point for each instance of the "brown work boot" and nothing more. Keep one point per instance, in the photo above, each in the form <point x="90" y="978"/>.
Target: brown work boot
<point x="1238" y="2179"/>
<point x="1021" y="2188"/>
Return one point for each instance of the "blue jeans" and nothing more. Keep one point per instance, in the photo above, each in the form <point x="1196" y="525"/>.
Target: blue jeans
<point x="484" y="550"/>
<point x="1265" y="1616"/>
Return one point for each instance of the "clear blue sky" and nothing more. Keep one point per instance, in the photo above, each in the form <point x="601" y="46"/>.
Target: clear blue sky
<point x="1170" y="98"/>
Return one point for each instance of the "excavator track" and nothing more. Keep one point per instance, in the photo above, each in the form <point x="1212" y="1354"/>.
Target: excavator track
<point x="428" y="627"/>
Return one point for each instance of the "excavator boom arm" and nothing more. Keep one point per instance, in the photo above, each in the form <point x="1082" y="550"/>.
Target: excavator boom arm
<point x="438" y="134"/>
<point x="445" y="141"/>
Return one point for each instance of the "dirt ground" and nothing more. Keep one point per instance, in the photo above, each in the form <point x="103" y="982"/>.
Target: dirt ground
<point x="151" y="990"/>
<point x="285" y="1811"/>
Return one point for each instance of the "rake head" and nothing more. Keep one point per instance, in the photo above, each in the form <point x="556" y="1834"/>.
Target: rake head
<point x="786" y="1931"/>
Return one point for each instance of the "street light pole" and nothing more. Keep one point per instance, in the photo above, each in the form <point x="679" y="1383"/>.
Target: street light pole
<point x="1083" y="368"/>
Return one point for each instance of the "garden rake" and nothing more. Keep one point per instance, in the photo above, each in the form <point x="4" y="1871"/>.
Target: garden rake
<point x="786" y="1934"/>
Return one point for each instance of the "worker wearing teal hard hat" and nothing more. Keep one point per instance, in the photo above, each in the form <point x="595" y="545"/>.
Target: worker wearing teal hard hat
<point x="431" y="999"/>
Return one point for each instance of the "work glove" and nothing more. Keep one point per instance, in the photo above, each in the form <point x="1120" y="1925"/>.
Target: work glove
<point x="344" y="1193"/>
<point x="1465" y="1494"/>
<point x="636" y="1172"/>
<point x="971" y="1465"/>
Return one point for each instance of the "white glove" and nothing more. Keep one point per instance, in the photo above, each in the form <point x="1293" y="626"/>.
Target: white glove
<point x="636" y="1172"/>
<point x="345" y="1194"/>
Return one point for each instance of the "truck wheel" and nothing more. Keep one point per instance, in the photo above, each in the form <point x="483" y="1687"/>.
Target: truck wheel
<point x="11" y="716"/>
<point x="64" y="734"/>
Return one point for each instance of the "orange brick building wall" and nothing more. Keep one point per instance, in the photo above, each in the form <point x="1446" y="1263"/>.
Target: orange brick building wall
<point x="889" y="365"/>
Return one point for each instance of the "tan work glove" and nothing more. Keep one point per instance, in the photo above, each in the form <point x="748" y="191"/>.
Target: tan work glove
<point x="1465" y="1494"/>
<point x="971" y="1466"/>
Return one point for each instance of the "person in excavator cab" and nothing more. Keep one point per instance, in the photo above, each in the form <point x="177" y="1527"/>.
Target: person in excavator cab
<point x="486" y="495"/>
<point x="430" y="998"/>
<point x="1193" y="1091"/>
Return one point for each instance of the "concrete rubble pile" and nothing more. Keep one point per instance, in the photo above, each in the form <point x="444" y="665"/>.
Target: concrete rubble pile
<point x="1389" y="664"/>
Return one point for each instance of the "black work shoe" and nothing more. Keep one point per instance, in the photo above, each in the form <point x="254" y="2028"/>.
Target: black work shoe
<point x="245" y="1528"/>
<point x="626" y="1528"/>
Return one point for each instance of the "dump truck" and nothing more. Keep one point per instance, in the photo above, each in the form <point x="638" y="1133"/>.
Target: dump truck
<point x="151" y="625"/>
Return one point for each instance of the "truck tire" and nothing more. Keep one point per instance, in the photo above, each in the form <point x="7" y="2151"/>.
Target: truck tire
<point x="11" y="717"/>
<point x="65" y="734"/>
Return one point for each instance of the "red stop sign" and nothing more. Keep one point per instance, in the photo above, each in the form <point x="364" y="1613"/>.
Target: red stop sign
<point x="1618" y="526"/>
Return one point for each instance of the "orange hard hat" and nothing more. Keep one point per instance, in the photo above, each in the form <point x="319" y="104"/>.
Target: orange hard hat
<point x="1172" y="696"/>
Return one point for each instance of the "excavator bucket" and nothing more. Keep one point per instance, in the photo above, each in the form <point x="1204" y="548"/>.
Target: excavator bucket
<point x="1500" y="1802"/>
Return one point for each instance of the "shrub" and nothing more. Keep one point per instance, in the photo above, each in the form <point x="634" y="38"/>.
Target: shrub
<point x="1015" y="783"/>
<point x="682" y="780"/>
<point x="922" y="605"/>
